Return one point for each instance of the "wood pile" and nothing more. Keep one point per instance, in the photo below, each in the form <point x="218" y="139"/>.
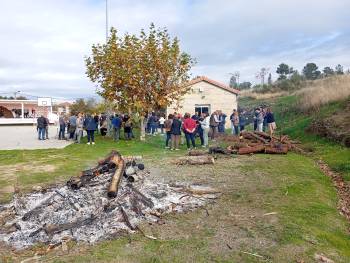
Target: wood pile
<point x="257" y="142"/>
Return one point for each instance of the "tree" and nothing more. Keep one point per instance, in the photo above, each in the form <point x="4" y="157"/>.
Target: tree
<point x="283" y="70"/>
<point x="140" y="73"/>
<point x="85" y="106"/>
<point x="233" y="82"/>
<point x="269" y="79"/>
<point x="339" y="69"/>
<point x="245" y="85"/>
<point x="311" y="71"/>
<point x="328" y="71"/>
<point x="261" y="75"/>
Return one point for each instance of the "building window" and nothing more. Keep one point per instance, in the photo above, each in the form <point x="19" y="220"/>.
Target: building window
<point x="202" y="109"/>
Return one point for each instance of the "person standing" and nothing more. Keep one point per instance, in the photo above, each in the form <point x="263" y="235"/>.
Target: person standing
<point x="167" y="128"/>
<point x="90" y="127"/>
<point x="127" y="127"/>
<point x="260" y="120"/>
<point x="97" y="120"/>
<point x="205" y="125"/>
<point x="214" y="123"/>
<point x="62" y="123"/>
<point x="153" y="123"/>
<point x="41" y="123"/>
<point x="72" y="126"/>
<point x="161" y="124"/>
<point x="222" y="122"/>
<point x="189" y="127"/>
<point x="175" y="133"/>
<point x="235" y="122"/>
<point x="256" y="114"/>
<point x="47" y="125"/>
<point x="117" y="124"/>
<point x="103" y="126"/>
<point x="242" y="121"/>
<point x="270" y="119"/>
<point x="199" y="129"/>
<point x="80" y="127"/>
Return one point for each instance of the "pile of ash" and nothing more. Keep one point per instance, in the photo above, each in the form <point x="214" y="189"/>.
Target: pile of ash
<point x="87" y="214"/>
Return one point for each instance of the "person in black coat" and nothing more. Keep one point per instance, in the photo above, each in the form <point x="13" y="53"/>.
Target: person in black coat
<point x="90" y="127"/>
<point x="175" y="133"/>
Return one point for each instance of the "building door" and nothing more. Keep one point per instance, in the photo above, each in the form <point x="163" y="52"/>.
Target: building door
<point x="202" y="109"/>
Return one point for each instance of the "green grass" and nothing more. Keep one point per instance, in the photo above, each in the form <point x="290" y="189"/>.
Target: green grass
<point x="305" y="200"/>
<point x="71" y="160"/>
<point x="294" y="123"/>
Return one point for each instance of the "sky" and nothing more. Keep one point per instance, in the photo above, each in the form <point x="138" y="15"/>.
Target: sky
<point x="44" y="42"/>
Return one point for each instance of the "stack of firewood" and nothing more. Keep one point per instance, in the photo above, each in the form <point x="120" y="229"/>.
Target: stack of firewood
<point x="259" y="142"/>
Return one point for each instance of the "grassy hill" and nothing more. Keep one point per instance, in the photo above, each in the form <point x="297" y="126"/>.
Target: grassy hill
<point x="295" y="114"/>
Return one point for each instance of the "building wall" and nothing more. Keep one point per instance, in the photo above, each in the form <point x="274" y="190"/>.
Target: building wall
<point x="38" y="110"/>
<point x="217" y="98"/>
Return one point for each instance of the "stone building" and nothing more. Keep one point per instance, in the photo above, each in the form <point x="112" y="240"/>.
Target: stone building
<point x="207" y="95"/>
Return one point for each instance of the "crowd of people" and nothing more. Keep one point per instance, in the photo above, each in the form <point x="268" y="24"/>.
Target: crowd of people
<point x="72" y="127"/>
<point x="200" y="125"/>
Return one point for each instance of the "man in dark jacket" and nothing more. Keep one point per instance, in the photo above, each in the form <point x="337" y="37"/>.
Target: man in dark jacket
<point x="117" y="124"/>
<point x="41" y="125"/>
<point x="90" y="127"/>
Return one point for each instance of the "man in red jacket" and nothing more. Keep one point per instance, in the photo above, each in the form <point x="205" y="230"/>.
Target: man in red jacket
<point x="189" y="127"/>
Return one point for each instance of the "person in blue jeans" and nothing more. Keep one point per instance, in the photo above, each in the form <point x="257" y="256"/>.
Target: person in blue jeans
<point x="62" y="122"/>
<point x="117" y="125"/>
<point x="41" y="126"/>
<point x="153" y="122"/>
<point x="90" y="127"/>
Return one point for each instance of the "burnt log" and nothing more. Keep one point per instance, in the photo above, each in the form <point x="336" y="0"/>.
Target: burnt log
<point x="126" y="219"/>
<point x="104" y="165"/>
<point x="141" y="197"/>
<point x="54" y="229"/>
<point x="113" y="187"/>
<point x="195" y="160"/>
<point x="220" y="150"/>
<point x="249" y="150"/>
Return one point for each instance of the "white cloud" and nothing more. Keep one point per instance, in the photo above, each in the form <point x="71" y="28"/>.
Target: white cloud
<point x="44" y="41"/>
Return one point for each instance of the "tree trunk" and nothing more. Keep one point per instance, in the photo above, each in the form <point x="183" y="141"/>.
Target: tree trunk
<point x="142" y="128"/>
<point x="249" y="150"/>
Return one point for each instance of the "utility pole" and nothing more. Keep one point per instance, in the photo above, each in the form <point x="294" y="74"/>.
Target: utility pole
<point x="107" y="26"/>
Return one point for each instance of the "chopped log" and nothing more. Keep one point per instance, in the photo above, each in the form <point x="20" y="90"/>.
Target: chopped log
<point x="277" y="149"/>
<point x="197" y="153"/>
<point x="262" y="134"/>
<point x="259" y="138"/>
<point x="249" y="150"/>
<point x="195" y="160"/>
<point x="120" y="163"/>
<point x="238" y="145"/>
<point x="54" y="229"/>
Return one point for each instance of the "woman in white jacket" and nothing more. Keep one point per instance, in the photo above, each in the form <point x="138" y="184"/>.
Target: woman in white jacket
<point x="205" y="124"/>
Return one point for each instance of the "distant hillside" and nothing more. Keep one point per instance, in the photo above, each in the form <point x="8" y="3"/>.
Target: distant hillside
<point x="322" y="107"/>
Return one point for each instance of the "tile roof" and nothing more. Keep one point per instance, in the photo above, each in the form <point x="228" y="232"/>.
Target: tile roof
<point x="213" y="82"/>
